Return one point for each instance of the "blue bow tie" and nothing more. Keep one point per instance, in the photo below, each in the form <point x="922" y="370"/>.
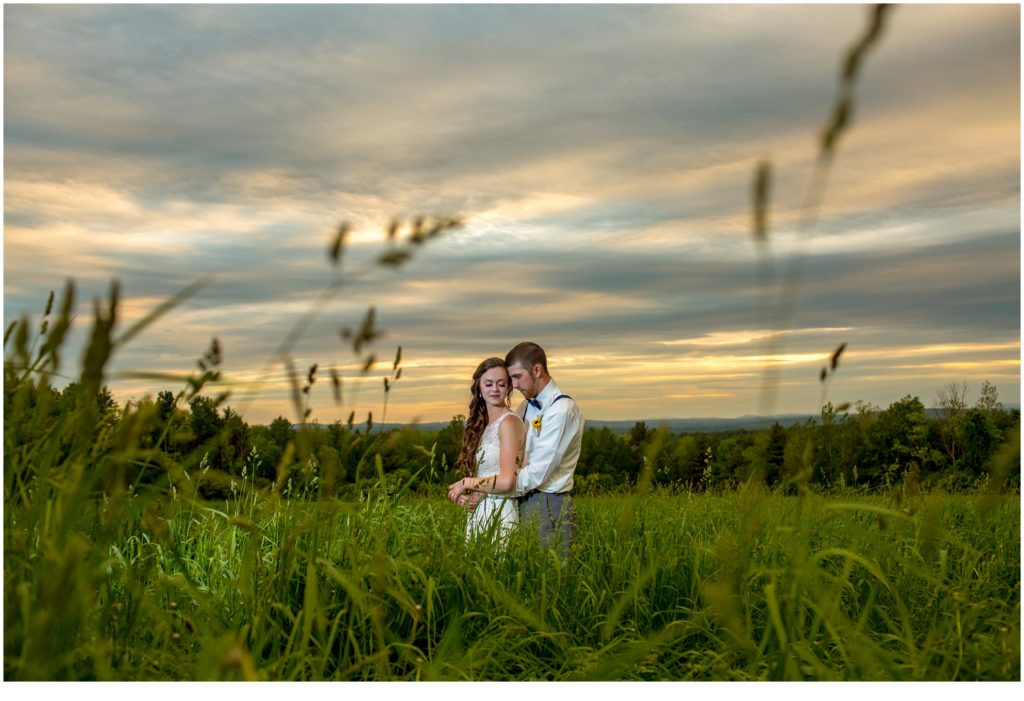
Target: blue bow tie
<point x="534" y="403"/>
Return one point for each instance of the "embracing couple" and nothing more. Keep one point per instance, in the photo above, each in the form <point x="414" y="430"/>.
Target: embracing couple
<point x="519" y="465"/>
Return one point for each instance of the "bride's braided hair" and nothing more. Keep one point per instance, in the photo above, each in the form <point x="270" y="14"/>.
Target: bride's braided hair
<point x="476" y="419"/>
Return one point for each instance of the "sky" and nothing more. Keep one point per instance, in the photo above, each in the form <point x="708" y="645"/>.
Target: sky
<point x="601" y="158"/>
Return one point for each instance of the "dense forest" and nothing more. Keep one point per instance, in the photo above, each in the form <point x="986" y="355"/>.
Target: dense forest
<point x="206" y="448"/>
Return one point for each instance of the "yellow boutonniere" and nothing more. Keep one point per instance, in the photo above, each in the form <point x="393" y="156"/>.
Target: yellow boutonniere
<point x="536" y="422"/>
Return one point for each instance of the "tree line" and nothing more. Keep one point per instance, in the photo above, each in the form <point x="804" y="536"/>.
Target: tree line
<point x="201" y="444"/>
<point x="954" y="448"/>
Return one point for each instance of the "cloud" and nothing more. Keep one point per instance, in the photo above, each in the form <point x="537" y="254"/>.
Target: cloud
<point x="602" y="157"/>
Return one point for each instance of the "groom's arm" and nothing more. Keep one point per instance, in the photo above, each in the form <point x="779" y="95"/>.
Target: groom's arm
<point x="549" y="448"/>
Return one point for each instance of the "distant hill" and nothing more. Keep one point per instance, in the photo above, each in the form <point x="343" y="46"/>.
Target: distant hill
<point x="711" y="424"/>
<point x="702" y="425"/>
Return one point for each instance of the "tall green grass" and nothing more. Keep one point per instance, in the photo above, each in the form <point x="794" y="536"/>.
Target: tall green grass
<point x="743" y="586"/>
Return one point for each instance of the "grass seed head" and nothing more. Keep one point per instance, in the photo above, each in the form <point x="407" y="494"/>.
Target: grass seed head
<point x="337" y="245"/>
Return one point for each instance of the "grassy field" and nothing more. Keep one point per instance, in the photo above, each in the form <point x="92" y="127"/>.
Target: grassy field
<point x="742" y="586"/>
<point x="107" y="581"/>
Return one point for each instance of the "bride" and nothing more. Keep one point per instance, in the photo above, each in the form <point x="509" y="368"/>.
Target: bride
<point x="492" y="452"/>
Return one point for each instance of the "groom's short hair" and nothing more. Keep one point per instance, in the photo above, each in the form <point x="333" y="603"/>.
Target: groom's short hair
<point x="527" y="354"/>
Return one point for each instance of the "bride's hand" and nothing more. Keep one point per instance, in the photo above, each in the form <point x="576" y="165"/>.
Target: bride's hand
<point x="457" y="489"/>
<point x="470" y="500"/>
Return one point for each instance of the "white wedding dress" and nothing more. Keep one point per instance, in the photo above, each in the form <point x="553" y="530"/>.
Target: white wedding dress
<point x="496" y="514"/>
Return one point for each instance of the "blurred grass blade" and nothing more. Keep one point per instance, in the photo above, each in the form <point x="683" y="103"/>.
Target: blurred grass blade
<point x="161" y="309"/>
<point x="762" y="187"/>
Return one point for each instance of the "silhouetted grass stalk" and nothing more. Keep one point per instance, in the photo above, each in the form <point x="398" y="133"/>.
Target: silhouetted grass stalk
<point x="782" y="303"/>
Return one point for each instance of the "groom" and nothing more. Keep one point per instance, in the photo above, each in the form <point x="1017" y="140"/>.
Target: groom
<point x="554" y="433"/>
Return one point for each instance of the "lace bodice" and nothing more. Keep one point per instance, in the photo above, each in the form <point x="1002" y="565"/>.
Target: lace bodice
<point x="488" y="455"/>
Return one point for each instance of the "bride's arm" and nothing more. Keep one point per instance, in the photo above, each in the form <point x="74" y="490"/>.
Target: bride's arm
<point x="512" y="436"/>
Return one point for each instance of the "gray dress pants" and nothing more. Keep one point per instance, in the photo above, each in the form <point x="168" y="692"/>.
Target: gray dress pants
<point x="553" y="516"/>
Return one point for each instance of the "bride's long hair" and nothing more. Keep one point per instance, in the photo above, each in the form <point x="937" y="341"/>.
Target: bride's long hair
<point x="476" y="418"/>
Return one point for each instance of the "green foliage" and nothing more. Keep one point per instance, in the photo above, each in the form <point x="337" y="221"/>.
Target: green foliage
<point x="980" y="438"/>
<point x="748" y="586"/>
<point x="205" y="420"/>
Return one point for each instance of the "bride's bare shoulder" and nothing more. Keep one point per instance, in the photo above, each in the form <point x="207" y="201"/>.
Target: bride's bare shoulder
<point x="513" y="427"/>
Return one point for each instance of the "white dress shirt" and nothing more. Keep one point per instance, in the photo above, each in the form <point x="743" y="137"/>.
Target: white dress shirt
<point x="553" y="451"/>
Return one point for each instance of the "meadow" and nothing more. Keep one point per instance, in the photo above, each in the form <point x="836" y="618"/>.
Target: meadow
<point x="747" y="585"/>
<point x="109" y="576"/>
